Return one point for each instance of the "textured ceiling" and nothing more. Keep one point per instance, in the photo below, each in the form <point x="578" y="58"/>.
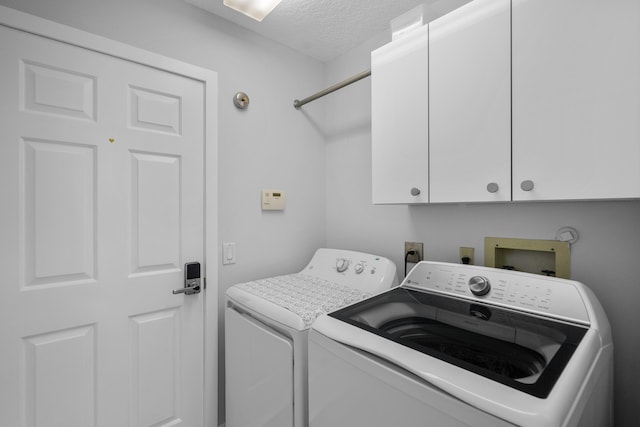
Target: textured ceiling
<point x="325" y="29"/>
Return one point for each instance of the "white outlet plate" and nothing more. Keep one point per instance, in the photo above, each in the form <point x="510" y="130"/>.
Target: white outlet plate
<point x="467" y="252"/>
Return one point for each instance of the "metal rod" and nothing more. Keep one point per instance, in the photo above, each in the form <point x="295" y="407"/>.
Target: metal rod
<point x="299" y="103"/>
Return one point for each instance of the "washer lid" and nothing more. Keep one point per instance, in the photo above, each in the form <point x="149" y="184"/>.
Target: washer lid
<point x="523" y="351"/>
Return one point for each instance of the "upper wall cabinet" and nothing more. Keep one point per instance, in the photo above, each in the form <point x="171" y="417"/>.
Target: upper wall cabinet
<point x="470" y="104"/>
<point x="510" y="100"/>
<point x="441" y="110"/>
<point x="576" y="99"/>
<point x="399" y="114"/>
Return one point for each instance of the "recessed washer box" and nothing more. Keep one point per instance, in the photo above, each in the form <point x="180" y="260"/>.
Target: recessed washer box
<point x="273" y="200"/>
<point x="546" y="257"/>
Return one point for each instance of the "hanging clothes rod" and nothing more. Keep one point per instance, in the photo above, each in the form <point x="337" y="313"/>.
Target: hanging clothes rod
<point x="299" y="103"/>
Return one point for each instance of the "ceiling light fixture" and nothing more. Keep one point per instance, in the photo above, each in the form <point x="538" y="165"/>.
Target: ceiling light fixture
<point x="256" y="9"/>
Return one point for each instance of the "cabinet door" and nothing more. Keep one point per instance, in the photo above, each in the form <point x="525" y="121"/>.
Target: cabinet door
<point x="399" y="114"/>
<point x="576" y="99"/>
<point x="470" y="103"/>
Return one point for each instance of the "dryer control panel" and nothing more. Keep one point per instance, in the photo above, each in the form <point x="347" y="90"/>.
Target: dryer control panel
<point x="549" y="296"/>
<point x="366" y="272"/>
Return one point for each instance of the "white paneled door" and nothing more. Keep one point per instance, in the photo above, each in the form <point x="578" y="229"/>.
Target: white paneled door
<point x="101" y="164"/>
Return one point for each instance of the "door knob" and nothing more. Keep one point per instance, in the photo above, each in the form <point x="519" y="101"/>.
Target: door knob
<point x="189" y="290"/>
<point x="191" y="279"/>
<point x="415" y="191"/>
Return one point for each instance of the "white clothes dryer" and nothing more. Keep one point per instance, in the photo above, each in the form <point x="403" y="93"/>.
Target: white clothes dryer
<point x="266" y="328"/>
<point x="461" y="345"/>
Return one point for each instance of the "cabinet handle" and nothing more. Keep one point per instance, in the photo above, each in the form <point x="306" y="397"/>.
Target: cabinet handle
<point x="415" y="191"/>
<point x="527" y="185"/>
<point x="492" y="187"/>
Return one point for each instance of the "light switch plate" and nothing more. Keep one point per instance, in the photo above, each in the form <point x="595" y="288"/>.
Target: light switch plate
<point x="273" y="200"/>
<point x="228" y="253"/>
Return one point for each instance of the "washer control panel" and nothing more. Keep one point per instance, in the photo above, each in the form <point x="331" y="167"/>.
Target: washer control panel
<point x="544" y="295"/>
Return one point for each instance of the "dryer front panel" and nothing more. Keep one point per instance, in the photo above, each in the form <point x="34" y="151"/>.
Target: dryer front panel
<point x="259" y="373"/>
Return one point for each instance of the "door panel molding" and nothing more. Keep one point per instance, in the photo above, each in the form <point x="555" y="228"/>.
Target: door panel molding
<point x="85" y="110"/>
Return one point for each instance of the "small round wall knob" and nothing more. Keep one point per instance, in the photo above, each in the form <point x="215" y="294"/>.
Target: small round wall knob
<point x="241" y="100"/>
<point x="415" y="191"/>
<point x="527" y="185"/>
<point x="492" y="187"/>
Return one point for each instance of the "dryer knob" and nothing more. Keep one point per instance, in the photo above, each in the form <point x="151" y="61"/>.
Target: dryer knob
<point x="479" y="285"/>
<point x="342" y="265"/>
<point x="359" y="268"/>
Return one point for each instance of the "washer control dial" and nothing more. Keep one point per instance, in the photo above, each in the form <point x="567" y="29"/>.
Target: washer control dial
<point x="342" y="265"/>
<point x="479" y="285"/>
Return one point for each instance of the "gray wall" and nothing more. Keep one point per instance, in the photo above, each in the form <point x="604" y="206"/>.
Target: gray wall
<point x="606" y="256"/>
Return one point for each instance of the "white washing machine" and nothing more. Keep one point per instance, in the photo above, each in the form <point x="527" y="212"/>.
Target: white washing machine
<point x="266" y="329"/>
<point x="460" y="345"/>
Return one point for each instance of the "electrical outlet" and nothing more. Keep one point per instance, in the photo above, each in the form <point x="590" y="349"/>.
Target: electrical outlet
<point x="466" y="253"/>
<point x="413" y="246"/>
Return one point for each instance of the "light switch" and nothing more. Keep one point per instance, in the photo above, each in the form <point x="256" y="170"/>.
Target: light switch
<point x="229" y="253"/>
<point x="273" y="200"/>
